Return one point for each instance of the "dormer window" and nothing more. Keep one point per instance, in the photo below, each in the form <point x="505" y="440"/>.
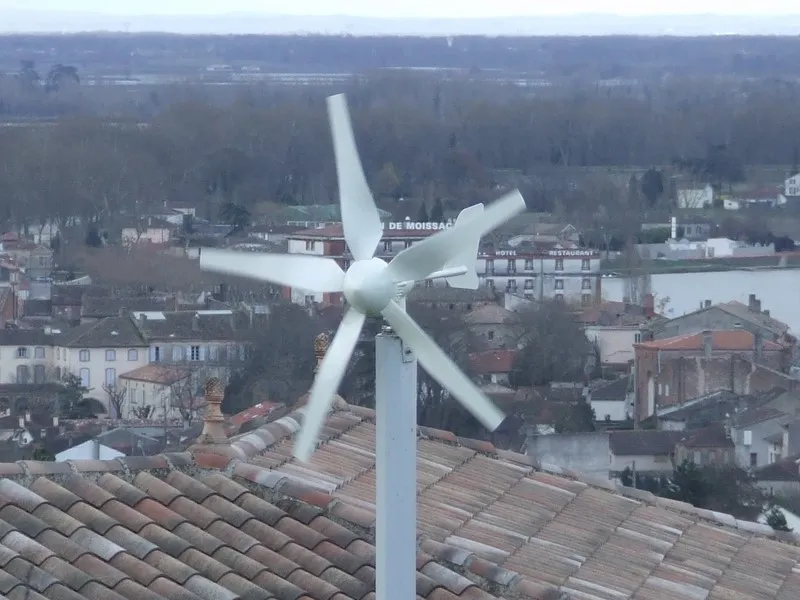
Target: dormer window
<point x="22" y="352"/>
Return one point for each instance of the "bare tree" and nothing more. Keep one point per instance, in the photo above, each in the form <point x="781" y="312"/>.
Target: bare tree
<point x="117" y="395"/>
<point x="554" y="346"/>
<point x="183" y="398"/>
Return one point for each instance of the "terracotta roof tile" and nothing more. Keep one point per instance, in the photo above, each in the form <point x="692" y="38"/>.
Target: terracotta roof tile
<point x="490" y="525"/>
<point x="731" y="340"/>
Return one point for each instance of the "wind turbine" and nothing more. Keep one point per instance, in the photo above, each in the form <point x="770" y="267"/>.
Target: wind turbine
<point x="375" y="288"/>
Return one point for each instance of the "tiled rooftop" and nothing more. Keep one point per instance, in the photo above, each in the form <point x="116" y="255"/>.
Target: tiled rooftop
<point x="730" y="340"/>
<point x="244" y="520"/>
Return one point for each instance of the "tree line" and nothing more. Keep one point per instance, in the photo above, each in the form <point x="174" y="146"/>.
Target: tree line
<point x="419" y="137"/>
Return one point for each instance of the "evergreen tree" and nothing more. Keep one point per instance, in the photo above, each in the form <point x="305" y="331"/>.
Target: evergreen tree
<point x="422" y="215"/>
<point x="688" y="484"/>
<point x="776" y="519"/>
<point x="437" y="212"/>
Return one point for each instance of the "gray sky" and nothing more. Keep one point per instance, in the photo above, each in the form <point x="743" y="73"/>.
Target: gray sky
<point x="408" y="8"/>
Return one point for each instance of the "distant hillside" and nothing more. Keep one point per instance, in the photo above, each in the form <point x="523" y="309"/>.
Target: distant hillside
<point x="14" y="21"/>
<point x="617" y="59"/>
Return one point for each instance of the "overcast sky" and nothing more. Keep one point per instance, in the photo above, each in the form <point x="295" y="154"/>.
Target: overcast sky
<point x="409" y="8"/>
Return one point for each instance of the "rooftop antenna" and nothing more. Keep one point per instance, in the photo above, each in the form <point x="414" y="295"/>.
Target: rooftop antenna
<point x="375" y="288"/>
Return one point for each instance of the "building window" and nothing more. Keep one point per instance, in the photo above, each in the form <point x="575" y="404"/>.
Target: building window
<point x="309" y="300"/>
<point x="511" y="285"/>
<point x="559" y="297"/>
<point x="58" y="373"/>
<point x="490" y="334"/>
<point x="155" y="354"/>
<point x="111" y="378"/>
<point x="529" y="284"/>
<point x="637" y="338"/>
<point x="84" y="375"/>
<point x="194" y="352"/>
<point x="23" y="375"/>
<point x="490" y="284"/>
<point x="407" y="244"/>
<point x="133" y="354"/>
<point x="529" y="264"/>
<point x="754" y="459"/>
<point x="310" y="245"/>
<point x="83" y="356"/>
<point x="559" y="284"/>
<point x="697" y="458"/>
<point x="512" y="265"/>
<point x="38" y="374"/>
<point x="111" y="355"/>
<point x="22" y="352"/>
<point x="213" y="352"/>
<point x="586" y="284"/>
<point x="38" y="352"/>
<point x="490" y="267"/>
<point x="177" y="353"/>
<point x="586" y="299"/>
<point x="387" y="246"/>
<point x="586" y="264"/>
<point x="559" y="264"/>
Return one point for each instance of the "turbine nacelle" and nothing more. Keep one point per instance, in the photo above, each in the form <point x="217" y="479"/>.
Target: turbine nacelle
<point x="368" y="287"/>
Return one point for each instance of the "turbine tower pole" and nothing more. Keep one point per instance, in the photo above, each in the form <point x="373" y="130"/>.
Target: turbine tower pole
<point x="396" y="468"/>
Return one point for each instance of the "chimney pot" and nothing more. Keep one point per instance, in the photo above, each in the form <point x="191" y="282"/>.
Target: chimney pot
<point x="213" y="421"/>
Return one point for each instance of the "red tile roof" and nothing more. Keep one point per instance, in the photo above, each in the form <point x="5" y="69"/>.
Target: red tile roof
<point x="729" y="340"/>
<point x="492" y="361"/>
<point x="243" y="520"/>
<point x="263" y="409"/>
<point x="158" y="374"/>
<point x="335" y="232"/>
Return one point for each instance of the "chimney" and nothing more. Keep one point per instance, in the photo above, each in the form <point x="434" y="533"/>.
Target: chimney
<point x="766" y="312"/>
<point x="649" y="306"/>
<point x="321" y="344"/>
<point x="96" y="449"/>
<point x="757" y="307"/>
<point x="708" y="343"/>
<point x="751" y="302"/>
<point x="707" y="304"/>
<point x="213" y="421"/>
<point x="758" y="346"/>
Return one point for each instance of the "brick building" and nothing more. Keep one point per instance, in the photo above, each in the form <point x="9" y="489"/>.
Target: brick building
<point x="674" y="370"/>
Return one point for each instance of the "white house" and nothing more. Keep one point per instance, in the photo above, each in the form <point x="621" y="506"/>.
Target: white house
<point x="98" y="353"/>
<point x="613" y="401"/>
<point x="149" y="230"/>
<point x="88" y="450"/>
<point x="695" y="197"/>
<point x="791" y="187"/>
<point x="163" y="388"/>
<point x="720" y="247"/>
<point x="26" y="355"/>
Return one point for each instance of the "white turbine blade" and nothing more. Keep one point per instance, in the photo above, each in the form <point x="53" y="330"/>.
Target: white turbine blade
<point x="433" y="253"/>
<point x="360" y="218"/>
<point x="306" y="272"/>
<point x="439" y="366"/>
<point x="469" y="253"/>
<point x="327" y="382"/>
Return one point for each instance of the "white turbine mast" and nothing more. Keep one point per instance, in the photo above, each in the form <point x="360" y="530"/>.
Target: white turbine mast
<point x="375" y="288"/>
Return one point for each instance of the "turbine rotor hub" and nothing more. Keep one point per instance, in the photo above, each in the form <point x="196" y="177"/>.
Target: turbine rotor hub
<point x="367" y="286"/>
